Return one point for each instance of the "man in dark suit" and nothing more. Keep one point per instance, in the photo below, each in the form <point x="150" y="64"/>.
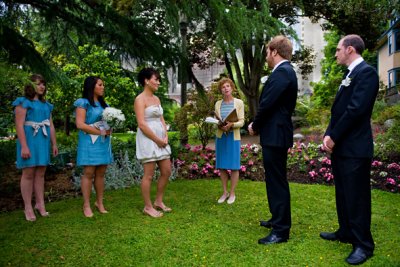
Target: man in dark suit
<point x="349" y="139"/>
<point x="273" y="123"/>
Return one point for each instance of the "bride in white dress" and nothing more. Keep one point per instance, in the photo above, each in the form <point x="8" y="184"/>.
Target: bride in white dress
<point x="152" y="141"/>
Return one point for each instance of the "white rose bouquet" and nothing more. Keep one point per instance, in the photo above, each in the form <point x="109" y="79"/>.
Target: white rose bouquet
<point x="113" y="118"/>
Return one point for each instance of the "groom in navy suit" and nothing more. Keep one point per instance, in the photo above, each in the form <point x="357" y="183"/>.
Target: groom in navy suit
<point x="349" y="139"/>
<point x="273" y="123"/>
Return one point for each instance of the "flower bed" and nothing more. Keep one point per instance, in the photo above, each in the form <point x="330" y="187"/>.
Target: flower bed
<point x="307" y="163"/>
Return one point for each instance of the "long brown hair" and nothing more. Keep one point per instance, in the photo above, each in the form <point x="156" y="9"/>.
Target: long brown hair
<point x="30" y="91"/>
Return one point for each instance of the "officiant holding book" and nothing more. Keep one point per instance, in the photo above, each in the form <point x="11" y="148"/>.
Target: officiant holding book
<point x="230" y="111"/>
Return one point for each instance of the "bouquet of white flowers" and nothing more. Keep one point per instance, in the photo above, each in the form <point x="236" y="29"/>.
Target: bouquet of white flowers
<point x="113" y="118"/>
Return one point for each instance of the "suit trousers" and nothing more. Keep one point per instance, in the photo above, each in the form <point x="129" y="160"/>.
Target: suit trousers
<point x="353" y="199"/>
<point x="278" y="194"/>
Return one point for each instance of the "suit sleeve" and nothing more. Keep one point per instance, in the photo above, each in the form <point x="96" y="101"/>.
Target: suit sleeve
<point x="274" y="88"/>
<point x="362" y="99"/>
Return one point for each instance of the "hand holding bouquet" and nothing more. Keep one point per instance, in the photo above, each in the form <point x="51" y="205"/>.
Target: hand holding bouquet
<point x="113" y="118"/>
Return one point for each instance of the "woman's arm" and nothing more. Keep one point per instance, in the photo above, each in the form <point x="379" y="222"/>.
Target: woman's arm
<point x="20" y="115"/>
<point x="139" y="107"/>
<point x="53" y="138"/>
<point x="81" y="125"/>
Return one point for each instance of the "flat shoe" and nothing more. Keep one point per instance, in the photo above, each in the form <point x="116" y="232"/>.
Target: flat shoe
<point x="156" y="215"/>
<point x="164" y="208"/>
<point x="223" y="198"/>
<point x="231" y="199"/>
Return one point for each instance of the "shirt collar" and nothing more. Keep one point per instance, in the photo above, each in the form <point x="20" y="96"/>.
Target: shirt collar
<point x="354" y="64"/>
<point x="280" y="62"/>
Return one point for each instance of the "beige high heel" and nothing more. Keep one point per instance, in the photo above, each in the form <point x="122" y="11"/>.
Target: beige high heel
<point x="101" y="211"/>
<point x="44" y="214"/>
<point x="30" y="218"/>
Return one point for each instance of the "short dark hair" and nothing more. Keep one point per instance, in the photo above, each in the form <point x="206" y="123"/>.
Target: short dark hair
<point x="147" y="73"/>
<point x="282" y="45"/>
<point x="355" y="41"/>
<point x="88" y="91"/>
<point x="29" y="89"/>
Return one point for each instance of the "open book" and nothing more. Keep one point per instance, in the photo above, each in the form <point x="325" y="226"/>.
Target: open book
<point x="231" y="117"/>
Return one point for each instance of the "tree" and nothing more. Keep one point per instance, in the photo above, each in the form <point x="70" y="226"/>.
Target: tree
<point x="68" y="24"/>
<point x="367" y="18"/>
<point x="93" y="60"/>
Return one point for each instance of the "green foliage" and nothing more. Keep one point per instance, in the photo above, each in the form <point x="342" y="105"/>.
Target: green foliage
<point x="387" y="144"/>
<point x="325" y="90"/>
<point x="383" y="112"/>
<point x="11" y="87"/>
<point x="93" y="60"/>
<point x="224" y="235"/>
<point x="7" y="152"/>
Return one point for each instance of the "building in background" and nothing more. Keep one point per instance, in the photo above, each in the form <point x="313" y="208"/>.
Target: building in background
<point x="389" y="60"/>
<point x="309" y="34"/>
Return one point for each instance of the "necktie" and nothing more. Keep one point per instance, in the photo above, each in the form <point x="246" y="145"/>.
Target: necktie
<point x="345" y="74"/>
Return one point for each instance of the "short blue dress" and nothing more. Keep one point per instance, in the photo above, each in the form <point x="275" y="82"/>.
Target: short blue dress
<point x="227" y="149"/>
<point x="92" y="153"/>
<point x="37" y="132"/>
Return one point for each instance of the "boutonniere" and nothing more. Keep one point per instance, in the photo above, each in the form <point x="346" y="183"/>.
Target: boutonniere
<point x="346" y="82"/>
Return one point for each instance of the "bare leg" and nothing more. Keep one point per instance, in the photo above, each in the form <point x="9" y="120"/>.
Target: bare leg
<point x="165" y="173"/>
<point x="38" y="188"/>
<point x="224" y="181"/>
<point x="27" y="178"/>
<point x="86" y="188"/>
<point x="234" y="182"/>
<point x="99" y="186"/>
<point x="145" y="185"/>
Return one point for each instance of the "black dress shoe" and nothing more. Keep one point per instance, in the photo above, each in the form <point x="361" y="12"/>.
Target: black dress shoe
<point x="272" y="238"/>
<point x="333" y="237"/>
<point x="358" y="256"/>
<point x="267" y="224"/>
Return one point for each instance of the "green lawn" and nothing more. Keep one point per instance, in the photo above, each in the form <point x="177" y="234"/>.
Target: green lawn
<point x="199" y="232"/>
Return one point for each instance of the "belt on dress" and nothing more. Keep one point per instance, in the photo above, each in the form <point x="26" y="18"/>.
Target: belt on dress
<point x="37" y="125"/>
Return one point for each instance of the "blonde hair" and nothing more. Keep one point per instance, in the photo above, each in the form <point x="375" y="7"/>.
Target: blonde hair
<point x="224" y="81"/>
<point x="282" y="45"/>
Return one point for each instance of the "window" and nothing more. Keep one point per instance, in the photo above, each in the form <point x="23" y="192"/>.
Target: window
<point x="397" y="41"/>
<point x="394" y="77"/>
<point x="390" y="44"/>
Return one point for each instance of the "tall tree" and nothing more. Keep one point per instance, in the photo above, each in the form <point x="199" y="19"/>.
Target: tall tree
<point x="368" y="18"/>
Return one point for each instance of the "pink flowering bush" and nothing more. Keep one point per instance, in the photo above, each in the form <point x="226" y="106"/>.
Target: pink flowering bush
<point x="195" y="163"/>
<point x="307" y="163"/>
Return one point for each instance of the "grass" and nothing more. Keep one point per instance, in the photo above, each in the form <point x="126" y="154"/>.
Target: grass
<point x="198" y="232"/>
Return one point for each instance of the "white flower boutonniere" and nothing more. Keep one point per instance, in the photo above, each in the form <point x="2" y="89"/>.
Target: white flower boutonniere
<point x="346" y="82"/>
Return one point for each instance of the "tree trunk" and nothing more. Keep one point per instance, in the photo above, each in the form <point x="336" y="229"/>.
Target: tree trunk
<point x="66" y="124"/>
<point x="249" y="83"/>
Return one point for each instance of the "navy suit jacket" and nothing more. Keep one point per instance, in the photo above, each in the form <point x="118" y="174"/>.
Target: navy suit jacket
<point x="273" y="120"/>
<point x="350" y="123"/>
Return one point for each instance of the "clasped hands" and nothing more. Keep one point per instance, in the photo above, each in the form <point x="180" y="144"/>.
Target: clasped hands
<point x="226" y="126"/>
<point x="162" y="142"/>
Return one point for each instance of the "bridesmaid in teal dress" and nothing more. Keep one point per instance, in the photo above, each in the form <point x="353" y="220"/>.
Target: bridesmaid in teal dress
<point x="94" y="145"/>
<point x="35" y="131"/>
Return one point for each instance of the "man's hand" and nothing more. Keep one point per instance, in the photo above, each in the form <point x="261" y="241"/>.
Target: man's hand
<point x="328" y="144"/>
<point x="250" y="129"/>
